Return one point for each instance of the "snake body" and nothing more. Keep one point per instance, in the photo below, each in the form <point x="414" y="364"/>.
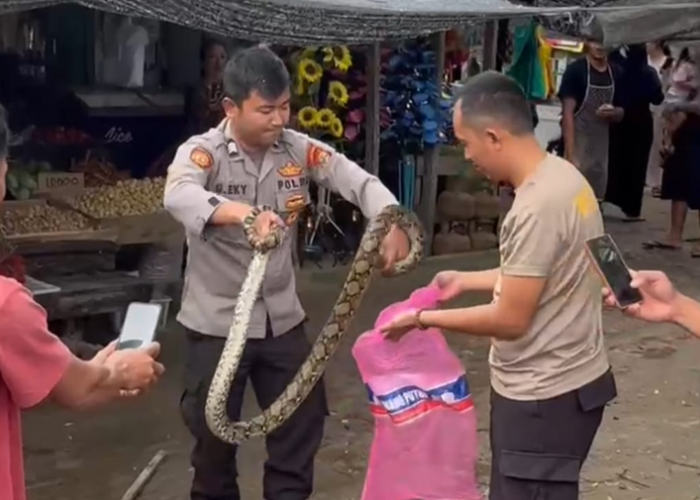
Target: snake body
<point x="361" y="271"/>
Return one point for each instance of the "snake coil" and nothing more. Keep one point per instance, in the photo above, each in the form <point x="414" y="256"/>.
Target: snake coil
<point x="359" y="277"/>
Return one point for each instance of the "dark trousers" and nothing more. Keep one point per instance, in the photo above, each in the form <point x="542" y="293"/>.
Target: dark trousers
<point x="539" y="447"/>
<point x="270" y="364"/>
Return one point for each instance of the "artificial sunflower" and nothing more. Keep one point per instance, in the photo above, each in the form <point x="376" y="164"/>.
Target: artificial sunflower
<point x="299" y="86"/>
<point x="309" y="70"/>
<point x="342" y="58"/>
<point x="325" y="118"/>
<point x="338" y="93"/>
<point x="327" y="54"/>
<point x="308" y="53"/>
<point x="308" y="117"/>
<point x="337" y="128"/>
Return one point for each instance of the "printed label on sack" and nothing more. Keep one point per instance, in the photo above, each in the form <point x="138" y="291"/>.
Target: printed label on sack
<point x="410" y="402"/>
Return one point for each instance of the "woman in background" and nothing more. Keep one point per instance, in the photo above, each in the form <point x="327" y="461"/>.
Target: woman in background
<point x="681" y="171"/>
<point x="634" y="135"/>
<point x="659" y="58"/>
<point x="206" y="110"/>
<point x="683" y="85"/>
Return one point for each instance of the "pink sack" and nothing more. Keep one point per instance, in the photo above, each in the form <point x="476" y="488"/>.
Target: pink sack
<point x="425" y="439"/>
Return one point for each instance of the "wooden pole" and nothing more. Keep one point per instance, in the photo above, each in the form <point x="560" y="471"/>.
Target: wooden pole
<point x="372" y="107"/>
<point x="490" y="45"/>
<point x="146" y="474"/>
<point x="431" y="159"/>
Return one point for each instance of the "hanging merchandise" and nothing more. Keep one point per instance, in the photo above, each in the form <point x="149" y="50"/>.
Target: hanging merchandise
<point x="527" y="69"/>
<point x="329" y="94"/>
<point x="415" y="113"/>
<point x="407" y="184"/>
<point x="125" y="63"/>
<point x="544" y="53"/>
<point x="329" y="91"/>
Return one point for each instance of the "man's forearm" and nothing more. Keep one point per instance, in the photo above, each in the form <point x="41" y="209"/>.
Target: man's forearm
<point x="229" y="213"/>
<point x="568" y="136"/>
<point x="688" y="314"/>
<point x="481" y="321"/>
<point x="480" y="281"/>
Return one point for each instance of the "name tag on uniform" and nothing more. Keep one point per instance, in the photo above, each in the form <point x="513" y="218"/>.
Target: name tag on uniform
<point x="231" y="189"/>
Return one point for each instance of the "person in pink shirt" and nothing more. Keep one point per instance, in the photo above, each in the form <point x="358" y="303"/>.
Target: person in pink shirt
<point x="35" y="366"/>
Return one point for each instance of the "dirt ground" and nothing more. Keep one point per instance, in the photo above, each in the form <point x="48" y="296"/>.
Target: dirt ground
<point x="647" y="448"/>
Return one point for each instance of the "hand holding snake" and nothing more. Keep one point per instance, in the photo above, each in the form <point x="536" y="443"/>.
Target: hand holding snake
<point x="392" y="221"/>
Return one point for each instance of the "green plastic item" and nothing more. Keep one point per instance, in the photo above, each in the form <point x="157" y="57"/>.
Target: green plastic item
<point x="527" y="68"/>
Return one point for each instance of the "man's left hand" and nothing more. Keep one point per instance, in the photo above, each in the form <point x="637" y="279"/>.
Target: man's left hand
<point x="395" y="248"/>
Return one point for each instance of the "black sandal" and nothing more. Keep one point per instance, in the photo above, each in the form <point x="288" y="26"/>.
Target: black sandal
<point x="660" y="245"/>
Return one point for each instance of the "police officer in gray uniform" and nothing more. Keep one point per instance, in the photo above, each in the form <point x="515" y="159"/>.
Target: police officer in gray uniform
<point x="214" y="180"/>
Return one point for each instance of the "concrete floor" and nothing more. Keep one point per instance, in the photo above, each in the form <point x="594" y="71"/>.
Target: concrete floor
<point x="647" y="449"/>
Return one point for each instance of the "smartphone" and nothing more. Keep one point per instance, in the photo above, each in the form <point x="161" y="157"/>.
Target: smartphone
<point x="608" y="260"/>
<point x="140" y="325"/>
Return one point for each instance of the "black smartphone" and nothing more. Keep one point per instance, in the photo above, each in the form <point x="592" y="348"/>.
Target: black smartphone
<point x="140" y="325"/>
<point x="608" y="260"/>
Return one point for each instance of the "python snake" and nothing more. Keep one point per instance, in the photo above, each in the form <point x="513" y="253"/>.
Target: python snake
<point x="361" y="271"/>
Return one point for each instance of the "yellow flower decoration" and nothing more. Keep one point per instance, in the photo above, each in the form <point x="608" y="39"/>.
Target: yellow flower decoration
<point x="299" y="86"/>
<point x="327" y="54"/>
<point x="337" y="128"/>
<point x="338" y="93"/>
<point x="308" y="117"/>
<point x="308" y="53"/>
<point x="325" y="118"/>
<point x="342" y="58"/>
<point x="310" y="71"/>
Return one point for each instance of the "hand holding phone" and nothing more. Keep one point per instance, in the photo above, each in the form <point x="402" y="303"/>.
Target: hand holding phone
<point x="606" y="257"/>
<point x="140" y="325"/>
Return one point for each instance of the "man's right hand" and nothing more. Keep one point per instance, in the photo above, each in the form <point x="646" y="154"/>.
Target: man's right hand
<point x="660" y="298"/>
<point x="450" y="283"/>
<point x="132" y="369"/>
<point x="266" y="223"/>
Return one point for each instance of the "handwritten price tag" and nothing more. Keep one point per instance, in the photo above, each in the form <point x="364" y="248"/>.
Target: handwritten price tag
<point x="60" y="182"/>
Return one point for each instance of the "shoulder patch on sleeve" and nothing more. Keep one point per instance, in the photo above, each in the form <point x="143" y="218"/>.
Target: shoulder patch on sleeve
<point x="317" y="156"/>
<point x="202" y="158"/>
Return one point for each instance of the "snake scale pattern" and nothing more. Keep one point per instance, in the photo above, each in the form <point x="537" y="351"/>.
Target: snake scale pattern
<point x="361" y="272"/>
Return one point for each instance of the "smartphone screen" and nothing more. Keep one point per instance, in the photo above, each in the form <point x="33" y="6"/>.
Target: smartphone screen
<point x="612" y="267"/>
<point x="140" y="325"/>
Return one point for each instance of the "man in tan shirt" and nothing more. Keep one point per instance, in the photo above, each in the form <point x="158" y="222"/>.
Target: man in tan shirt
<point x="550" y="375"/>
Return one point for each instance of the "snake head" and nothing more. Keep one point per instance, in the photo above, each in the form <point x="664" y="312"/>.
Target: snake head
<point x="271" y="240"/>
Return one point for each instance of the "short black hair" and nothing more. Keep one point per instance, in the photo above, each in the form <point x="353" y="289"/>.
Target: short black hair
<point x="4" y="134"/>
<point x="495" y="98"/>
<point x="257" y="69"/>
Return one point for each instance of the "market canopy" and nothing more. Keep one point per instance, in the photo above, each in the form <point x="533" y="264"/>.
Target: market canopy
<point x="635" y="21"/>
<point x="309" y="22"/>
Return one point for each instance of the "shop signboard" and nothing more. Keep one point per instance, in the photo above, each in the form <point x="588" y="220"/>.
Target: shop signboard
<point x="60" y="182"/>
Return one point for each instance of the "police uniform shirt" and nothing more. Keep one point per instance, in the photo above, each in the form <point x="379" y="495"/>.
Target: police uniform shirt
<point x="210" y="169"/>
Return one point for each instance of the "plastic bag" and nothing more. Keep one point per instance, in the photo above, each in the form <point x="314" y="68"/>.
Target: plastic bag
<point x="425" y="440"/>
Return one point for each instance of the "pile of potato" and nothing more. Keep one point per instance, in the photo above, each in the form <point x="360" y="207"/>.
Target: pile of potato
<point x="32" y="219"/>
<point x="126" y="197"/>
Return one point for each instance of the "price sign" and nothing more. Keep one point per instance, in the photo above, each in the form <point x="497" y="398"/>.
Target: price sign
<point x="60" y="182"/>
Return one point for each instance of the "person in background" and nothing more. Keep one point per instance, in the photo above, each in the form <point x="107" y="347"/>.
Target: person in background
<point x="680" y="182"/>
<point x="550" y="376"/>
<point x="207" y="110"/>
<point x="661" y="302"/>
<point x="36" y="367"/>
<point x="683" y="84"/>
<point x="659" y="58"/>
<point x="632" y="138"/>
<point x="591" y="101"/>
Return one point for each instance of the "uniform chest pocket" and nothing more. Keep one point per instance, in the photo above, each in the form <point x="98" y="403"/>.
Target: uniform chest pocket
<point x="292" y="194"/>
<point x="290" y="203"/>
